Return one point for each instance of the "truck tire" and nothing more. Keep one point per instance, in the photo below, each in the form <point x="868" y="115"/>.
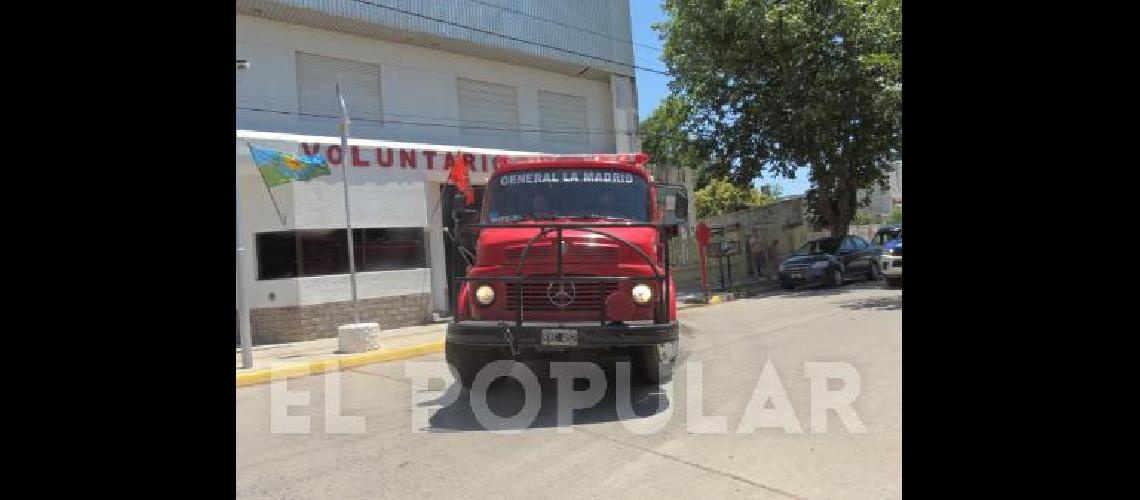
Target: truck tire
<point x="465" y="362"/>
<point x="894" y="282"/>
<point x="654" y="363"/>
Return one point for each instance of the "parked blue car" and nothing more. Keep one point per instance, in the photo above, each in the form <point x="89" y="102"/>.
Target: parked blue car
<point x="830" y="261"/>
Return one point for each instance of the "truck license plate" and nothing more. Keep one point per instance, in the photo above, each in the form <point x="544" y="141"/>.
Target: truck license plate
<point x="559" y="336"/>
<point x="797" y="275"/>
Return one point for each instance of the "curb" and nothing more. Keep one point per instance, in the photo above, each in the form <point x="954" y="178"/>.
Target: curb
<point x="715" y="298"/>
<point x="722" y="297"/>
<point x="718" y="298"/>
<point x="287" y="370"/>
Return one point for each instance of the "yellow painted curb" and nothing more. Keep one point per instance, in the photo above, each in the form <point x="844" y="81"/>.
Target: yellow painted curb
<point x="286" y="370"/>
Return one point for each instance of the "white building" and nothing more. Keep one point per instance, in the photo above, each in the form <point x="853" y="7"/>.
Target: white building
<point x="423" y="80"/>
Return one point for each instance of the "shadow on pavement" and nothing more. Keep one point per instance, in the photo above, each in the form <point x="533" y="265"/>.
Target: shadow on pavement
<point x="506" y="396"/>
<point x="876" y="303"/>
<point x="819" y="291"/>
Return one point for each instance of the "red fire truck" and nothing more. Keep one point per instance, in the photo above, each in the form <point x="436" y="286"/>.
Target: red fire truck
<point x="570" y="260"/>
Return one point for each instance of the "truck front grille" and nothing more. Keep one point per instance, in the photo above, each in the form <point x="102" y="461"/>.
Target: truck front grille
<point x="587" y="296"/>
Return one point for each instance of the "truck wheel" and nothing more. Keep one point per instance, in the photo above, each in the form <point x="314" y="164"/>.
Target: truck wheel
<point x="894" y="282"/>
<point x="654" y="363"/>
<point x="465" y="361"/>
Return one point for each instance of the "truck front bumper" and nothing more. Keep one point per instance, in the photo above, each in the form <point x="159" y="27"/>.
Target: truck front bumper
<point x="494" y="333"/>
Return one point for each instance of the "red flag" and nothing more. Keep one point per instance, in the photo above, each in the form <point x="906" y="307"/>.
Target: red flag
<point x="461" y="178"/>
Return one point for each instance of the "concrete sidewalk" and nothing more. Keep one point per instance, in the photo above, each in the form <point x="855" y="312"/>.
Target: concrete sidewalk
<point x="316" y="356"/>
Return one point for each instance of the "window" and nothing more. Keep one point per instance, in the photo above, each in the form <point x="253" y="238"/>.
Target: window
<point x="319" y="252"/>
<point x="360" y="84"/>
<point x="488" y="109"/>
<point x="388" y="249"/>
<point x="562" y="119"/>
<point x="323" y="252"/>
<point x="822" y="245"/>
<point x="860" y="243"/>
<point x="277" y="255"/>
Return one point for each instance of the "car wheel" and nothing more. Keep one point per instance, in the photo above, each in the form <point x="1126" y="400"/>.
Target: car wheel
<point x="786" y="286"/>
<point x="836" y="277"/>
<point x="873" y="272"/>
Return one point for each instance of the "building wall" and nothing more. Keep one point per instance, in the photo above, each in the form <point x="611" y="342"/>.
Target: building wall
<point x="599" y="28"/>
<point x="419" y="89"/>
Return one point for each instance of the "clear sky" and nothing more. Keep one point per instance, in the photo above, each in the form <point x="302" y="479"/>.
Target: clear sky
<point x="653" y="87"/>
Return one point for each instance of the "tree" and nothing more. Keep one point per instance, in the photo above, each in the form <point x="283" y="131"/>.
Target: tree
<point x="664" y="137"/>
<point x="896" y="215"/>
<point x="721" y="196"/>
<point x="775" y="85"/>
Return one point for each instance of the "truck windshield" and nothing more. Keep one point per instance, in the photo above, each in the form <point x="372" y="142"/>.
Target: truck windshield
<point x="580" y="193"/>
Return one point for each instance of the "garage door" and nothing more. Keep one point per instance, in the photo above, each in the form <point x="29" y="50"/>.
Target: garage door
<point x="316" y="87"/>
<point x="563" y="121"/>
<point x="488" y="110"/>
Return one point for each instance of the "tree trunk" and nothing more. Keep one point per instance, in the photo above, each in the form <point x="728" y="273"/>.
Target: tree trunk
<point x="841" y="215"/>
<point x="844" y="206"/>
<point x="838" y="229"/>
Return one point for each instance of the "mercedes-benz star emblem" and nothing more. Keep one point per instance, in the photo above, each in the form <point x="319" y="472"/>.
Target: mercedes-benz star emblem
<point x="561" y="293"/>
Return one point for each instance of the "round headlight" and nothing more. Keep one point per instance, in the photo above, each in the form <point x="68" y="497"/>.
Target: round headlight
<point x="485" y="295"/>
<point x="642" y="294"/>
<point x="819" y="265"/>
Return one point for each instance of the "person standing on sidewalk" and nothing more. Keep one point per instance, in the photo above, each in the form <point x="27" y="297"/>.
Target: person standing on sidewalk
<point x="756" y="255"/>
<point x="774" y="259"/>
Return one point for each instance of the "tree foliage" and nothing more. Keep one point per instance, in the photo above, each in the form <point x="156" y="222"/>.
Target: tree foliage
<point x="721" y="196"/>
<point x="771" y="86"/>
<point x="665" y="138"/>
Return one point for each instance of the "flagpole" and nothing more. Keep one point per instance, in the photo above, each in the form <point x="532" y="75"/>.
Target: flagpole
<point x="268" y="189"/>
<point x="344" y="154"/>
<point x="243" y="308"/>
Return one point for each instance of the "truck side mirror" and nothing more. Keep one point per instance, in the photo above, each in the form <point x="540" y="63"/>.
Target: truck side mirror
<point x="465" y="216"/>
<point x="465" y="235"/>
